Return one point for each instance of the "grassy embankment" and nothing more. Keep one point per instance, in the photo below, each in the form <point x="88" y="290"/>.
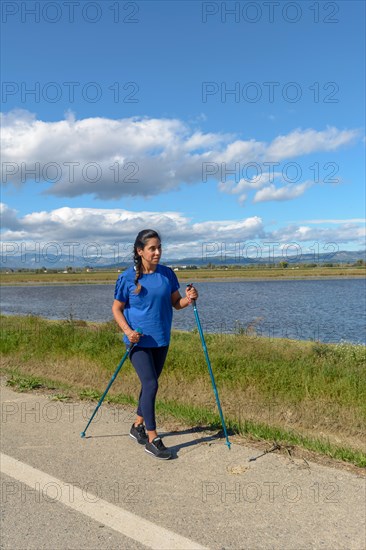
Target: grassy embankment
<point x="246" y="273"/>
<point x="306" y="394"/>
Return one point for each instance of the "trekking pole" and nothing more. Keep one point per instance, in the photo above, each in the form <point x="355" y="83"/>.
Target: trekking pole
<point x="210" y="370"/>
<point x="110" y="383"/>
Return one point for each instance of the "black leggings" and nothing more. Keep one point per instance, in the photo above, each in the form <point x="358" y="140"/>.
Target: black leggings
<point x="148" y="363"/>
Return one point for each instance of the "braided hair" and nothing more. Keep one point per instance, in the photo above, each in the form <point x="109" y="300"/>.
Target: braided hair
<point x="140" y="242"/>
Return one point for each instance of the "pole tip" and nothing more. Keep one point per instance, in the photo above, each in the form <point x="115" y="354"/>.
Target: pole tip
<point x="82" y="434"/>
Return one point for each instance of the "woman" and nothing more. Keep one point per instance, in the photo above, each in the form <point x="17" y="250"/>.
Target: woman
<point x="144" y="297"/>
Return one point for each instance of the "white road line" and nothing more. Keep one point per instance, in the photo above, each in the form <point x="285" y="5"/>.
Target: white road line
<point x="122" y="521"/>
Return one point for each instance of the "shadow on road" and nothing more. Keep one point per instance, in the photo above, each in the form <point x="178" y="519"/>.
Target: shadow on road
<point x="176" y="448"/>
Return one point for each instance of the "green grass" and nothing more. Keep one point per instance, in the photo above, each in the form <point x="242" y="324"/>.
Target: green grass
<point x="288" y="370"/>
<point x="270" y="389"/>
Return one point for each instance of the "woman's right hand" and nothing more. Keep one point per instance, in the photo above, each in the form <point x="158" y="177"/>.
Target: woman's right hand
<point x="133" y="336"/>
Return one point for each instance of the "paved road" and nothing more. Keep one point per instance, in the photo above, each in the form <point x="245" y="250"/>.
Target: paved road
<point x="61" y="491"/>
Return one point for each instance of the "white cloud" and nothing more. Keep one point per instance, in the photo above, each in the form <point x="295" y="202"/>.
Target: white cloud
<point x="8" y="217"/>
<point x="112" y="232"/>
<point x="143" y="156"/>
<point x="254" y="182"/>
<point x="344" y="233"/>
<point x="241" y="151"/>
<point x="285" y="193"/>
<point x="303" y="142"/>
<point x="118" y="225"/>
<point x="336" y="221"/>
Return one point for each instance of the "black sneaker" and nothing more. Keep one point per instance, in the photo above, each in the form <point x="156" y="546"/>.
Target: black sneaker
<point x="157" y="448"/>
<point x="138" y="433"/>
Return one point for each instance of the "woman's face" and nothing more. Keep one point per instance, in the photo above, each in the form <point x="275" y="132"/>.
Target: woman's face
<point x="151" y="252"/>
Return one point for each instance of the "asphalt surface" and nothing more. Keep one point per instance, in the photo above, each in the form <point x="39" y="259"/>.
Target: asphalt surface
<point x="104" y="491"/>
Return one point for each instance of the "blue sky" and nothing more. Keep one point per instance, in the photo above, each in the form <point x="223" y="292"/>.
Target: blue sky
<point x="228" y="122"/>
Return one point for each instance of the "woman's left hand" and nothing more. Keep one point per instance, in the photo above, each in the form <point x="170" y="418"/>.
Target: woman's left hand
<point x="191" y="293"/>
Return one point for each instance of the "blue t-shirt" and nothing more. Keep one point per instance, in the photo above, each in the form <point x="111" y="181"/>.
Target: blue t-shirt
<point x="151" y="310"/>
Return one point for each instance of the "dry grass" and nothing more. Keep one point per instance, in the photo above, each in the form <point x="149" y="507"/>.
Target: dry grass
<point x="200" y="274"/>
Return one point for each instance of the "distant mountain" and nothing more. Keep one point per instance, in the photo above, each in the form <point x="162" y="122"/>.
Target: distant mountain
<point x="63" y="261"/>
<point x="315" y="257"/>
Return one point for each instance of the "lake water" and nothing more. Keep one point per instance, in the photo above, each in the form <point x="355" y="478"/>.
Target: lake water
<point x="322" y="310"/>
